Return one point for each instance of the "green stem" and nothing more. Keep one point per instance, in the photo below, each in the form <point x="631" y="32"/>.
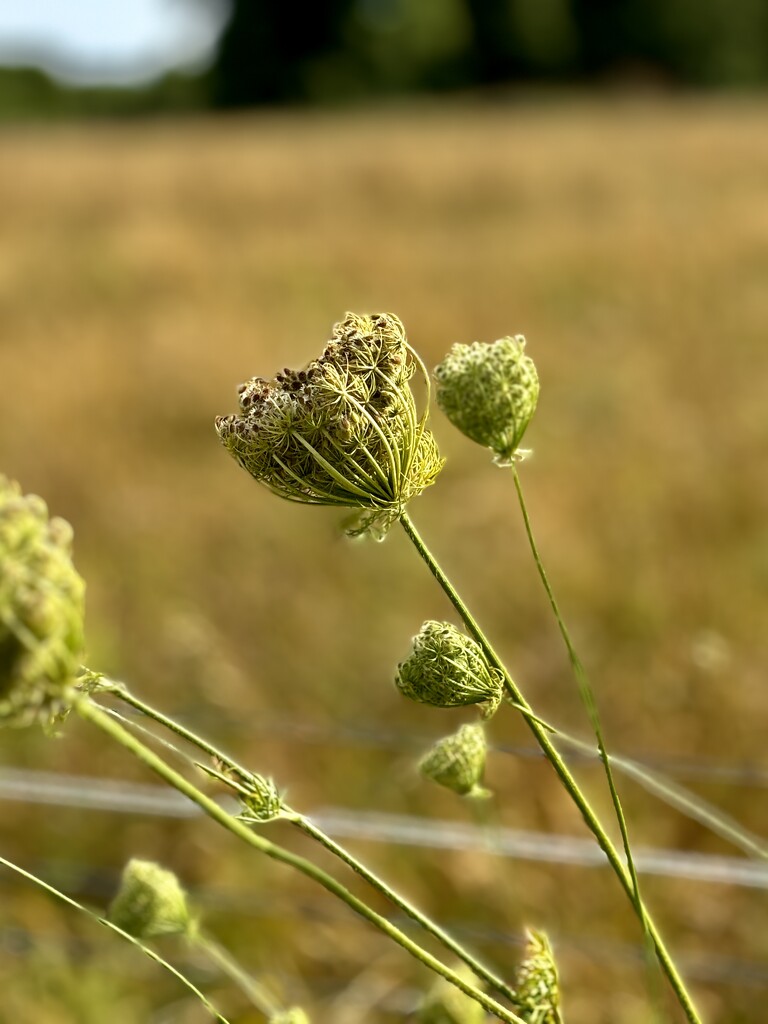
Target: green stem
<point x="585" y="690"/>
<point x="430" y="926"/>
<point x="94" y="714"/>
<point x="675" y="796"/>
<point x="257" y="993"/>
<point x="587" y="695"/>
<point x="119" y="931"/>
<point x="308" y="827"/>
<point x="542" y="737"/>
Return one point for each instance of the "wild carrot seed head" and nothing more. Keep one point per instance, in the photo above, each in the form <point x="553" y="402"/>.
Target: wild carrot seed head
<point x="448" y="669"/>
<point x="344" y="430"/>
<point x="489" y="392"/>
<point x="458" y="761"/>
<point x="41" y="611"/>
<point x="150" y="902"/>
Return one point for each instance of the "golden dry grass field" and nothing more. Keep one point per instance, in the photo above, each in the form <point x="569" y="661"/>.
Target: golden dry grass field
<point x="146" y="269"/>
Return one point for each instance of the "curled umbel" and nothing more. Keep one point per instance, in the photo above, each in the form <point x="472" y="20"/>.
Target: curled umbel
<point x="489" y="392"/>
<point x="345" y="429"/>
<point x="448" y="669"/>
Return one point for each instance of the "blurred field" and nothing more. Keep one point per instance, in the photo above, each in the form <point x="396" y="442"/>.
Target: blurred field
<point x="146" y="269"/>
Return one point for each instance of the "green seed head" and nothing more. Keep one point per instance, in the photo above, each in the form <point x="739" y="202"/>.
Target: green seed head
<point x="344" y="430"/>
<point x="150" y="902"/>
<point x="445" y="1004"/>
<point x="458" y="761"/>
<point x="42" y="601"/>
<point x="448" y="669"/>
<point x="489" y="392"/>
<point x="538" y="988"/>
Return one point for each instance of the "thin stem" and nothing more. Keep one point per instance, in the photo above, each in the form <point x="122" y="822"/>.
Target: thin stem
<point x="257" y="993"/>
<point x="94" y="714"/>
<point x="119" y="931"/>
<point x="434" y="929"/>
<point x="672" y="794"/>
<point x="589" y="701"/>
<point x="586" y="692"/>
<point x="542" y="737"/>
<point x="124" y="694"/>
<point x="310" y="829"/>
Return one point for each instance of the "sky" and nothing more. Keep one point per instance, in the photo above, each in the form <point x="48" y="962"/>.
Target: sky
<point x="101" y="42"/>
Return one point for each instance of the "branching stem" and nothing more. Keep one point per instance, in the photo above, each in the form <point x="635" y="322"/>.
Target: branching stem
<point x="94" y="714"/>
<point x="542" y="737"/>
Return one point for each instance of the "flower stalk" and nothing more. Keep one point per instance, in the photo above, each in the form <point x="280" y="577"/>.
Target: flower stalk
<point x="89" y="711"/>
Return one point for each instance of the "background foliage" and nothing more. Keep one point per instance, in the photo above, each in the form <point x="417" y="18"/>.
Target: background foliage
<point x="345" y="51"/>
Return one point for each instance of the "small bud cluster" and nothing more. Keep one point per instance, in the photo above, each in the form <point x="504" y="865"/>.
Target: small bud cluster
<point x="448" y="669"/>
<point x="458" y="761"/>
<point x="489" y="392"/>
<point x="538" y="987"/>
<point x="342" y="431"/>
<point x="150" y="902"/>
<point x="262" y="802"/>
<point x="42" y="600"/>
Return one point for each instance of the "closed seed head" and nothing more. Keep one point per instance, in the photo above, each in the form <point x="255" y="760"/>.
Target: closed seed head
<point x="150" y="902"/>
<point x="489" y="392"/>
<point x="448" y="669"/>
<point x="458" y="761"/>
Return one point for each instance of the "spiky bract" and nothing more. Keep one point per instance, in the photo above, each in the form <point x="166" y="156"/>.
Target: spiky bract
<point x="42" y="604"/>
<point x="344" y="430"/>
<point x="489" y="392"/>
<point x="448" y="669"/>
<point x="261" y="798"/>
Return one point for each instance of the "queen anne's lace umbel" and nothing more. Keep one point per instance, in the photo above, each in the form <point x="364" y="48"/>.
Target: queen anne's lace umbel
<point x="344" y="430"/>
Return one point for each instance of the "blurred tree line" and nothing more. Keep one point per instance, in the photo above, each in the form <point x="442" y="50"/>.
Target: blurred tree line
<point x="273" y="52"/>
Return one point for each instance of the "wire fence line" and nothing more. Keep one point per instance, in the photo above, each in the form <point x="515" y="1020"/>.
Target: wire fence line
<point x="95" y="793"/>
<point x="728" y="772"/>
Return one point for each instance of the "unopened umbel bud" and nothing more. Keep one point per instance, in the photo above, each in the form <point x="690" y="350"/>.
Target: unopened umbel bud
<point x="489" y="392"/>
<point x="150" y="902"/>
<point x="42" y="601"/>
<point x="448" y="669"/>
<point x="458" y="761"/>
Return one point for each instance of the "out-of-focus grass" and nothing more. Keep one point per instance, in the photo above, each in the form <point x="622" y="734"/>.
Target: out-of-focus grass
<point x="146" y="269"/>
